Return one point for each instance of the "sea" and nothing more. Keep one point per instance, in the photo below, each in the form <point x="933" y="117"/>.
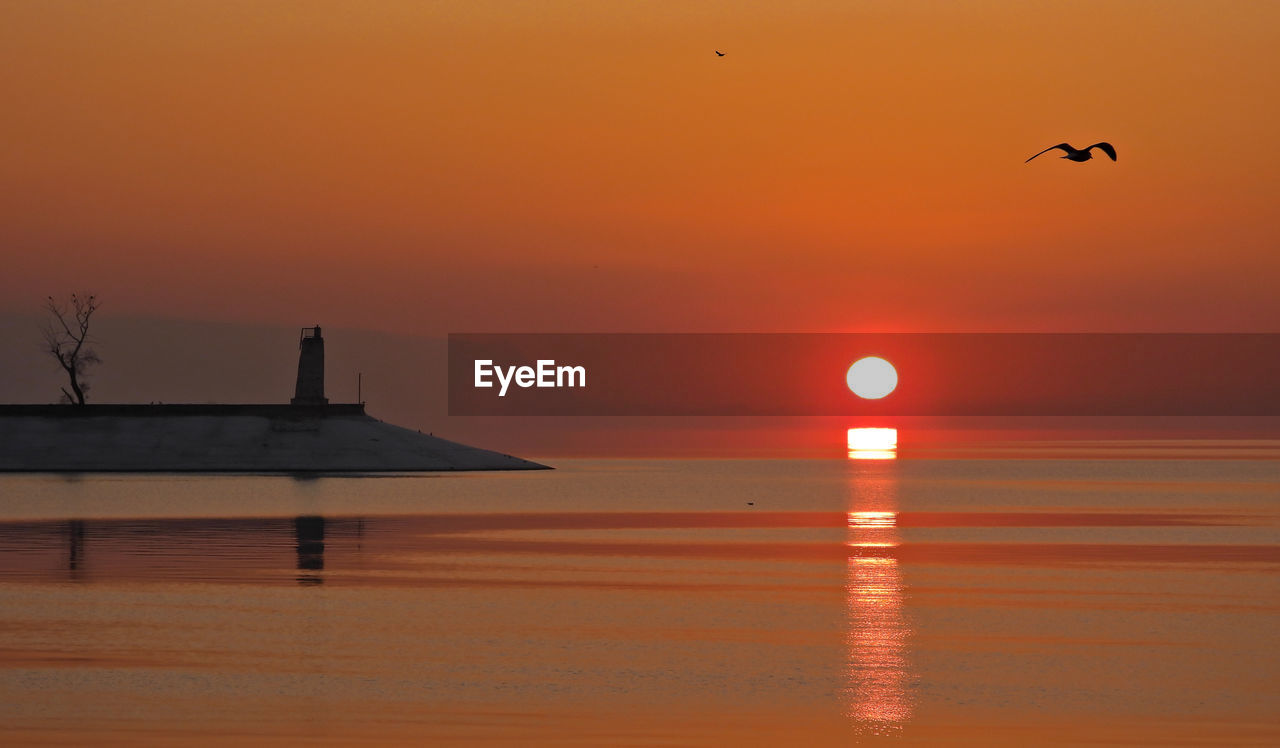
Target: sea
<point x="1109" y="593"/>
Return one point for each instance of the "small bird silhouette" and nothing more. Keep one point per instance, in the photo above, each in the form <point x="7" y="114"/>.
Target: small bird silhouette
<point x="1080" y="155"/>
<point x="719" y="53"/>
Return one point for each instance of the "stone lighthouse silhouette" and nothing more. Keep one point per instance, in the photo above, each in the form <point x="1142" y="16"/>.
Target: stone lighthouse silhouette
<point x="310" y="387"/>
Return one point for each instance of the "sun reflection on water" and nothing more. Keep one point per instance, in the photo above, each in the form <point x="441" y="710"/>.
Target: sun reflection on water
<point x="872" y="443"/>
<point x="876" y="683"/>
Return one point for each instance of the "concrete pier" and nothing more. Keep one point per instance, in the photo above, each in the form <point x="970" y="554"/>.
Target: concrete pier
<point x="308" y="435"/>
<point x="226" y="438"/>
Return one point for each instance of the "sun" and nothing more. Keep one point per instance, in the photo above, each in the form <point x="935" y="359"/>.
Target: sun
<point x="871" y="378"/>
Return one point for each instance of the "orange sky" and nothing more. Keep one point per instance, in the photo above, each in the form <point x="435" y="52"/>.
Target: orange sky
<point x="423" y="168"/>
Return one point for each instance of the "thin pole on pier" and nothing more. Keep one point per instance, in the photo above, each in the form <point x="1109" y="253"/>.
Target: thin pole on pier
<point x="360" y="387"/>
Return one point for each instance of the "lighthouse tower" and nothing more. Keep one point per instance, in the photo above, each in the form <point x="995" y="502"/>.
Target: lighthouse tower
<point x="310" y="388"/>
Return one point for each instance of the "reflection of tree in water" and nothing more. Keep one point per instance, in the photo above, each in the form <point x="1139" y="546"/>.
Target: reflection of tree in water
<point x="75" y="548"/>
<point x="309" y="532"/>
<point x="876" y="692"/>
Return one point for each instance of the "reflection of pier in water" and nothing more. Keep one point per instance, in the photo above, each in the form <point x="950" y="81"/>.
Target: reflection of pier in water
<point x="876" y="692"/>
<point x="309" y="532"/>
<point x="210" y="550"/>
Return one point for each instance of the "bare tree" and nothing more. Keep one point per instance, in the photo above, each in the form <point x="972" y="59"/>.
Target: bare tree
<point x="66" y="338"/>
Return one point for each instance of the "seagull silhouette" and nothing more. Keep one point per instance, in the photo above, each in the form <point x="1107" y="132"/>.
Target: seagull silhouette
<point x="1080" y="155"/>
<point x="719" y="53"/>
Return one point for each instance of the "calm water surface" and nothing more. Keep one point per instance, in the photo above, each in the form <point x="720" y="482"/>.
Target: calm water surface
<point x="645" y="602"/>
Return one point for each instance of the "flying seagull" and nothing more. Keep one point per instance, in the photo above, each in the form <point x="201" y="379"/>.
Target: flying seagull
<point x="1081" y="155"/>
<point x="719" y="53"/>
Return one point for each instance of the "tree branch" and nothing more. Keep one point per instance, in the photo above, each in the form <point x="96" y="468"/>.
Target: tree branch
<point x="68" y="346"/>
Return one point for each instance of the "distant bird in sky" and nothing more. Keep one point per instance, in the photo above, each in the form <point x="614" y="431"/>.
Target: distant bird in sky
<point x="1080" y="155"/>
<point x="719" y="53"/>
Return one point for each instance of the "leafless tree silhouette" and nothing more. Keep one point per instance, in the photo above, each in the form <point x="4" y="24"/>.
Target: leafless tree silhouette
<point x="66" y="338"/>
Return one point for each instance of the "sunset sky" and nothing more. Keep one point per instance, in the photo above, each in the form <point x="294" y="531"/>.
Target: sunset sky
<point x="427" y="167"/>
<point x="419" y="168"/>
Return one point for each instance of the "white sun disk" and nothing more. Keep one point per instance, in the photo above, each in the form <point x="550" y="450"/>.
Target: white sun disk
<point x="871" y="378"/>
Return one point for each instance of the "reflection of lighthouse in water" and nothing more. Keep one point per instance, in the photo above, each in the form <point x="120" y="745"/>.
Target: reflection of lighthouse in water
<point x="876" y="672"/>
